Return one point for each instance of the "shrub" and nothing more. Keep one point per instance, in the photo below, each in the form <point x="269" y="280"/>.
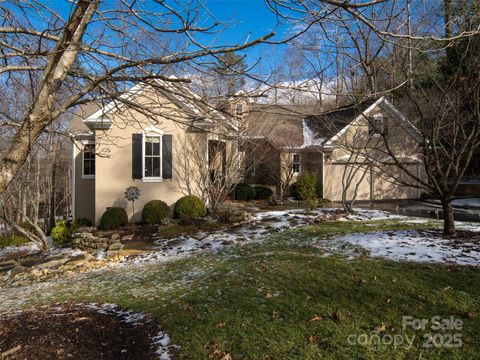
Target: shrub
<point x="243" y="192"/>
<point x="155" y="211"/>
<point x="82" y="222"/>
<point x="230" y="216"/>
<point x="60" y="233"/>
<point x="307" y="189"/>
<point x="189" y="207"/>
<point x="263" y="193"/>
<point x="113" y="218"/>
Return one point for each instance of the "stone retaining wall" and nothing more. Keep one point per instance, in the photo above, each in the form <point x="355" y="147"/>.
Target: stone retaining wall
<point x="84" y="239"/>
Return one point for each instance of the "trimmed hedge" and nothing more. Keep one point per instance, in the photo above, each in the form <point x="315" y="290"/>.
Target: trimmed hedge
<point x="155" y="211"/>
<point x="189" y="207"/>
<point x="243" y="191"/>
<point x="82" y="222"/>
<point x="263" y="193"/>
<point x="113" y="218"/>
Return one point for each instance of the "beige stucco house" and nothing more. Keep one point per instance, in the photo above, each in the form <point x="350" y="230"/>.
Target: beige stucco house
<point x="161" y="138"/>
<point x="366" y="151"/>
<point x="167" y="142"/>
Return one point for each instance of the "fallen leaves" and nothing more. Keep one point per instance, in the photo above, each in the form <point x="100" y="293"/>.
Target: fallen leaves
<point x="316" y="318"/>
<point x="312" y="339"/>
<point x="220" y="325"/>
<point x="382" y="328"/>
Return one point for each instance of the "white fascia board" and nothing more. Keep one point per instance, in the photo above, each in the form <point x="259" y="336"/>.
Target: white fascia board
<point x="82" y="136"/>
<point x="98" y="116"/>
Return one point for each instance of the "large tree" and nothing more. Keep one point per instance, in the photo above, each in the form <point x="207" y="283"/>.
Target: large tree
<point x="91" y="50"/>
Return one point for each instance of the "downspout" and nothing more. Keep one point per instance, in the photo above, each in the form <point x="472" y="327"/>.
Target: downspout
<point x="371" y="184"/>
<point x="323" y="175"/>
<point x="74" y="165"/>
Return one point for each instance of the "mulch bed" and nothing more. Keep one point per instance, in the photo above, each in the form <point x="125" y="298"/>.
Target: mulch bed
<point x="74" y="332"/>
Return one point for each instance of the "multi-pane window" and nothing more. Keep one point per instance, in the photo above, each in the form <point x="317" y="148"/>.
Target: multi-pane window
<point x="89" y="160"/>
<point x="296" y="163"/>
<point x="153" y="156"/>
<point x="376" y="125"/>
<point x="239" y="109"/>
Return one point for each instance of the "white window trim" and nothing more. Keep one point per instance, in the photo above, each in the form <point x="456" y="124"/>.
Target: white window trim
<point x="87" y="177"/>
<point x="299" y="163"/>
<point x="152" y="132"/>
<point x="375" y="117"/>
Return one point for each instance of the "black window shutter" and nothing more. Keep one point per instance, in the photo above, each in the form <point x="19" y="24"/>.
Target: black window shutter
<point x="137" y="144"/>
<point x="167" y="156"/>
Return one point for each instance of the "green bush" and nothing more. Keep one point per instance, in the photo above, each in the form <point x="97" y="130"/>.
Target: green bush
<point x="263" y="193"/>
<point x="155" y="211"/>
<point x="230" y="216"/>
<point x="61" y="233"/>
<point x="189" y="207"/>
<point x="293" y="191"/>
<point x="113" y="218"/>
<point x="243" y="192"/>
<point x="307" y="189"/>
<point x="82" y="222"/>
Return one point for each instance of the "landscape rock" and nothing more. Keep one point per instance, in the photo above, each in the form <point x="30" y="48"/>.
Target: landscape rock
<point x="52" y="263"/>
<point x="115" y="247"/>
<point x="18" y="269"/>
<point x="79" y="260"/>
<point x="127" y="237"/>
<point x="8" y="265"/>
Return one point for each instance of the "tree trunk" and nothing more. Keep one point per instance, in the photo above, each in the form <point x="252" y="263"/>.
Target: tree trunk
<point x="52" y="198"/>
<point x="448" y="222"/>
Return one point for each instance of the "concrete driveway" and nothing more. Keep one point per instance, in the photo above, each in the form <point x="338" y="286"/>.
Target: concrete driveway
<point x="464" y="209"/>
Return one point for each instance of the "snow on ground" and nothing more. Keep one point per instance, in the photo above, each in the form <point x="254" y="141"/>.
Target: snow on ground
<point x="407" y="245"/>
<point x="262" y="224"/>
<point x="161" y="340"/>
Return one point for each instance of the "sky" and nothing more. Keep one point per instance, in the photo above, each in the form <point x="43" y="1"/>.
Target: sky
<point x="241" y="21"/>
<point x="245" y="20"/>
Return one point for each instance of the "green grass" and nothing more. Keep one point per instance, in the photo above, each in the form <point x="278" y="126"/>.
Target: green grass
<point x="256" y="301"/>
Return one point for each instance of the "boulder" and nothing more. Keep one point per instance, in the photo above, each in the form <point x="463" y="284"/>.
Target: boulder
<point x="18" y="269"/>
<point x="79" y="260"/>
<point x="8" y="265"/>
<point x="56" y="262"/>
<point x="115" y="237"/>
<point x="113" y="254"/>
<point x="127" y="237"/>
<point x="115" y="247"/>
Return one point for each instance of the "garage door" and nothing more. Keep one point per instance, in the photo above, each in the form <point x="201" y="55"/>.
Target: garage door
<point x="355" y="178"/>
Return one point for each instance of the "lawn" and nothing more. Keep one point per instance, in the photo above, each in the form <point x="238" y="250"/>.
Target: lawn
<point x="285" y="298"/>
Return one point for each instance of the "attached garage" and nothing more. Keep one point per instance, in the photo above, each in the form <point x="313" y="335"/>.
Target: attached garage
<point x="367" y="184"/>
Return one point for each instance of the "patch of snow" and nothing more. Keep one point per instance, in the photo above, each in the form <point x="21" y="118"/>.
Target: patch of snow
<point x="407" y="245"/>
<point x="161" y="340"/>
<point x="309" y="138"/>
